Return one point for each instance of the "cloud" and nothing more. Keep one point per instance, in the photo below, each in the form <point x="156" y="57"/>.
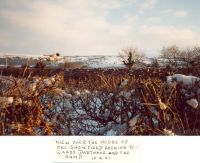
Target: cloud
<point x="168" y="35"/>
<point x="5" y="39"/>
<point x="147" y="4"/>
<point x="84" y="27"/>
<point x="74" y="26"/>
<point x="180" y="13"/>
<point x="176" y="13"/>
<point x="65" y="19"/>
<point x="46" y="21"/>
<point x="154" y="19"/>
<point x="168" y="11"/>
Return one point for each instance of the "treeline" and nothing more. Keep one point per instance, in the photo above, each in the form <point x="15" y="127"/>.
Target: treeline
<point x="171" y="56"/>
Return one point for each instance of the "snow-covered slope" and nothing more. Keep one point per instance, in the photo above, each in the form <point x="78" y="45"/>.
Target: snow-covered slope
<point x="97" y="61"/>
<point x="92" y="61"/>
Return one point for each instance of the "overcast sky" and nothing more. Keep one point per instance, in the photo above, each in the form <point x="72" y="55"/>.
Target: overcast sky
<point x="97" y="27"/>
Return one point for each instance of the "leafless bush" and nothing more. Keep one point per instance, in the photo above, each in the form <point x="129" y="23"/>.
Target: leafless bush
<point x="40" y="63"/>
<point x="171" y="54"/>
<point x="106" y="105"/>
<point x="22" y="107"/>
<point x="175" y="56"/>
<point x="191" y="56"/>
<point x="131" y="56"/>
<point x="143" y="107"/>
<point x="154" y="63"/>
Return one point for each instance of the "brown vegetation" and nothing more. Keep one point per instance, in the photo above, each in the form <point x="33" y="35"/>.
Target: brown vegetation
<point x="147" y="105"/>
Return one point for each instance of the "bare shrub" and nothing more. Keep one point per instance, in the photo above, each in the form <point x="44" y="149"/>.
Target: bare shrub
<point x="26" y="111"/>
<point x="40" y="63"/>
<point x="171" y="54"/>
<point x="131" y="56"/>
<point x="154" y="63"/>
<point x="96" y="104"/>
<point x="189" y="57"/>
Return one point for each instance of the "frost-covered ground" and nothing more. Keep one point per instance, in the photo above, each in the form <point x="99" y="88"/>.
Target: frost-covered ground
<point x="98" y="61"/>
<point x="90" y="113"/>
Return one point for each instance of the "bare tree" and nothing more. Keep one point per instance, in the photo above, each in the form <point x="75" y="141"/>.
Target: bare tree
<point x="131" y="56"/>
<point x="191" y="56"/>
<point x="171" y="54"/>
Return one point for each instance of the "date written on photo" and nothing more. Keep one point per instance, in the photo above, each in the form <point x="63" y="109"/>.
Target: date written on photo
<point x="96" y="149"/>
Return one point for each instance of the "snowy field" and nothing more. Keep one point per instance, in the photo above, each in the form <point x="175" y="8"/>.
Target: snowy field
<point x="98" y="61"/>
<point x="91" y="61"/>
